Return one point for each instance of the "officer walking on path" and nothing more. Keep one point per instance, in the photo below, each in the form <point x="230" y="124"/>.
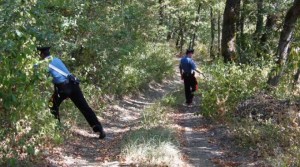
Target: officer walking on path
<point x="187" y="69"/>
<point x="67" y="86"/>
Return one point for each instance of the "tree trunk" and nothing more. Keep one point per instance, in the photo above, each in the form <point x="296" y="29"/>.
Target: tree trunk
<point x="260" y="19"/>
<point x="181" y="33"/>
<point x="161" y="12"/>
<point x="181" y="40"/>
<point x="228" y="32"/>
<point x="242" y="44"/>
<point x="170" y="30"/>
<point x="296" y="77"/>
<point x="192" y="44"/>
<point x="287" y="32"/>
<point x="177" y="41"/>
<point x="219" y="33"/>
<point x="237" y="24"/>
<point x="270" y="23"/>
<point x="284" y="42"/>
<point x="212" y="33"/>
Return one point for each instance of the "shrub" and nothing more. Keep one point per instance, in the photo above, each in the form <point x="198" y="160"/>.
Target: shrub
<point x="227" y="85"/>
<point x="154" y="63"/>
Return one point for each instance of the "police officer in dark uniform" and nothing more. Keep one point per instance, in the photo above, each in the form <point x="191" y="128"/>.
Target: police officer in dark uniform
<point x="187" y="69"/>
<point x="67" y="86"/>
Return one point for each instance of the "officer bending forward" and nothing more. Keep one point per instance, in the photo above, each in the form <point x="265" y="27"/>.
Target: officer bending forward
<point x="66" y="86"/>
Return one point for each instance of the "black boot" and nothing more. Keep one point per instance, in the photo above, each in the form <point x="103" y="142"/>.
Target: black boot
<point x="99" y="128"/>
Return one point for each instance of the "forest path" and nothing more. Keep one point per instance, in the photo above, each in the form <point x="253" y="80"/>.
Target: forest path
<point x="197" y="145"/>
<point x="84" y="149"/>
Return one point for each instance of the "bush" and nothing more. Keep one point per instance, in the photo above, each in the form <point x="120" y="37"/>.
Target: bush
<point x="154" y="63"/>
<point x="111" y="52"/>
<point x="227" y="85"/>
<point x="277" y="143"/>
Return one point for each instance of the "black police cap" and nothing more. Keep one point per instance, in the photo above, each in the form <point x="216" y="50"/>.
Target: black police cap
<point x="189" y="51"/>
<point x="43" y="49"/>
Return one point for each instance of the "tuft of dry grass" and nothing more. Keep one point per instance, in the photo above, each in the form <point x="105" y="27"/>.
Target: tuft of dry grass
<point x="152" y="147"/>
<point x="155" y="143"/>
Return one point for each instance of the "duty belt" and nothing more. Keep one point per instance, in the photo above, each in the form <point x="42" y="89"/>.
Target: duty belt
<point x="62" y="83"/>
<point x="188" y="74"/>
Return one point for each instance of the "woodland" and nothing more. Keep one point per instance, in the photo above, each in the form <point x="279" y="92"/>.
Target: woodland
<point x="248" y="52"/>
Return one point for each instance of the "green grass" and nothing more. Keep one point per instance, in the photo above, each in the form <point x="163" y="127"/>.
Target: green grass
<point x="174" y="99"/>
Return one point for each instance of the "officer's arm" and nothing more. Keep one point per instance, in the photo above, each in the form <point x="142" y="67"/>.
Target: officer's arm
<point x="197" y="70"/>
<point x="193" y="65"/>
<point x="180" y="69"/>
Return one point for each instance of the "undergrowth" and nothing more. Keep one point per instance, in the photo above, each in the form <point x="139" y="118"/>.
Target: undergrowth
<point x="228" y="85"/>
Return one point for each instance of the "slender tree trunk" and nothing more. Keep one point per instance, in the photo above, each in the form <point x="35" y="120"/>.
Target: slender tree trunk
<point x="259" y="26"/>
<point x="228" y="32"/>
<point x="170" y="30"/>
<point x="242" y="25"/>
<point x="219" y="33"/>
<point x="260" y="19"/>
<point x="270" y="23"/>
<point x="212" y="33"/>
<point x="239" y="32"/>
<point x="287" y="32"/>
<point x="241" y="40"/>
<point x="181" y="33"/>
<point x="192" y="44"/>
<point x="161" y="12"/>
<point x="237" y="24"/>
<point x="296" y="77"/>
<point x="285" y="41"/>
<point x="181" y="40"/>
<point x="177" y="40"/>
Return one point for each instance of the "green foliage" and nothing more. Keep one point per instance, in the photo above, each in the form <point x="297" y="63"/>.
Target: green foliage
<point x="173" y="100"/>
<point x="25" y="122"/>
<point x="263" y="134"/>
<point x="153" y="64"/>
<point x="110" y="45"/>
<point x="278" y="143"/>
<point x="228" y="84"/>
<point x="288" y="88"/>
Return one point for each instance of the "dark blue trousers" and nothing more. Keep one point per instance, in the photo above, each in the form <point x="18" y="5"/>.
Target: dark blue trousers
<point x="73" y="91"/>
<point x="190" y="86"/>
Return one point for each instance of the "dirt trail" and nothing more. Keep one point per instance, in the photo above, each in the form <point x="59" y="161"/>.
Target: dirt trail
<point x="198" y="148"/>
<point x="85" y="150"/>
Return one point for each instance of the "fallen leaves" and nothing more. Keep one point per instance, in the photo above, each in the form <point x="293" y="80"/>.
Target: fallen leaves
<point x="225" y="163"/>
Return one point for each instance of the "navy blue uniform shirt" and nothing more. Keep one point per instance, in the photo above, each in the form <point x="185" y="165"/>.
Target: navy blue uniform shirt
<point x="187" y="65"/>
